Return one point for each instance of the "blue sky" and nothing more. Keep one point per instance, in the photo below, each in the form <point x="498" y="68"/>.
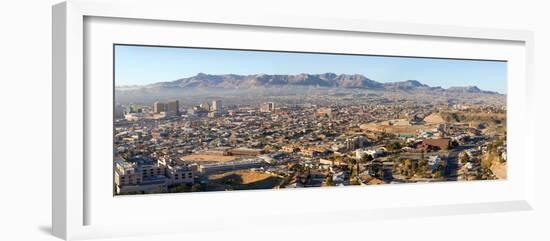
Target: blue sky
<point x="139" y="65"/>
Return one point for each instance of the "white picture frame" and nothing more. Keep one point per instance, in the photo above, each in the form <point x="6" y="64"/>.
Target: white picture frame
<point x="72" y="192"/>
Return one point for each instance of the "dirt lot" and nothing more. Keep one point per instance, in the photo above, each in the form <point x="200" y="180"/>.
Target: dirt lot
<point x="499" y="170"/>
<point x="208" y="158"/>
<point x="243" y="180"/>
<point x="395" y="129"/>
<point x="434" y="119"/>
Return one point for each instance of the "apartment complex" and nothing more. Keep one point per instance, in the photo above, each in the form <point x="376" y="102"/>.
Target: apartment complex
<point x="267" y="107"/>
<point x="141" y="174"/>
<point x="217" y="105"/>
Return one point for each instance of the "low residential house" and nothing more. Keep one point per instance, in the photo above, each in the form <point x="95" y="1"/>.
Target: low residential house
<point x="375" y="152"/>
<point x="291" y="148"/>
<point x="310" y="152"/>
<point x="434" y="162"/>
<point x="338" y="178"/>
<point x="473" y="152"/>
<point x="337" y="162"/>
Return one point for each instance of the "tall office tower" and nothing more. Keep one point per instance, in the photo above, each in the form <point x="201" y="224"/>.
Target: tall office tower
<point x="119" y="111"/>
<point x="205" y="105"/>
<point x="267" y="107"/>
<point x="173" y="108"/>
<point x="217" y="105"/>
<point x="159" y="107"/>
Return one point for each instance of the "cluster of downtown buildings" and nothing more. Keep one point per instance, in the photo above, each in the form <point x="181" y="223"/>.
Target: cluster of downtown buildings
<point x="161" y="146"/>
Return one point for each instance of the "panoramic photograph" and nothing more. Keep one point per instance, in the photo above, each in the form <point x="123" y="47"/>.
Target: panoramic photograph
<point x="204" y="119"/>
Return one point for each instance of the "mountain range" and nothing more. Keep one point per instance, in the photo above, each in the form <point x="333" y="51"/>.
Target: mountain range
<point x="330" y="80"/>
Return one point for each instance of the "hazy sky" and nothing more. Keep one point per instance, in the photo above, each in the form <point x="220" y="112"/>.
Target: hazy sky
<point x="138" y="65"/>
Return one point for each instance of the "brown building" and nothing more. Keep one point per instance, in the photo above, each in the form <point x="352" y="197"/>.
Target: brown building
<point x="173" y="108"/>
<point x="436" y="144"/>
<point x="159" y="107"/>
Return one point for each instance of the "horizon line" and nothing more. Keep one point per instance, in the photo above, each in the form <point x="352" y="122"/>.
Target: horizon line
<point x="382" y="82"/>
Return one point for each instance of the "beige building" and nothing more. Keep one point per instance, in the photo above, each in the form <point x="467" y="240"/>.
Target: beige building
<point x="143" y="175"/>
<point x="205" y="105"/>
<point x="179" y="175"/>
<point x="217" y="105"/>
<point x="159" y="107"/>
<point x="126" y="174"/>
<point x="267" y="107"/>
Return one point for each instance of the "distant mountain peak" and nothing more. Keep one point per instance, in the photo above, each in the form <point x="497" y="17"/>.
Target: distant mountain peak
<point x="267" y="80"/>
<point x="357" y="81"/>
<point x="413" y="82"/>
<point x="405" y="85"/>
<point x="469" y="89"/>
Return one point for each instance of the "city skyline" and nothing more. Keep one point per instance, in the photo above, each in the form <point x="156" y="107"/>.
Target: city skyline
<point x="228" y="133"/>
<point x="141" y="65"/>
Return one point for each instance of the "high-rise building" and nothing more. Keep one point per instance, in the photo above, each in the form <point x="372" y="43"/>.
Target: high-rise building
<point x="173" y="108"/>
<point x="217" y="105"/>
<point x="159" y="107"/>
<point x="267" y="107"/>
<point x="119" y="111"/>
<point x="205" y="105"/>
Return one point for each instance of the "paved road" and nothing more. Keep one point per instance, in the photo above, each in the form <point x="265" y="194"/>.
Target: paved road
<point x="451" y="171"/>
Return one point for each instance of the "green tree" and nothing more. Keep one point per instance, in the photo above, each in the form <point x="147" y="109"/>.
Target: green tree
<point x="196" y="188"/>
<point x="159" y="190"/>
<point x="438" y="174"/>
<point x="354" y="181"/>
<point x="328" y="180"/>
<point x="407" y="163"/>
<point x="490" y="147"/>
<point x="486" y="161"/>
<point x="464" y="159"/>
<point x="393" y="146"/>
<point x="366" y="158"/>
<point x="498" y="143"/>
<point x="408" y="174"/>
<point x="414" y="166"/>
<point x="352" y="163"/>
<point x="180" y="188"/>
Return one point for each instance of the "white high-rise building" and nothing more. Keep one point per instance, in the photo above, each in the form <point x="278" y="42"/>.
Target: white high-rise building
<point x="267" y="107"/>
<point x="217" y="105"/>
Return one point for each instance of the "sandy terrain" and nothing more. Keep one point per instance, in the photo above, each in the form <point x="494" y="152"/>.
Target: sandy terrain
<point x="434" y="119"/>
<point x="499" y="169"/>
<point x="246" y="180"/>
<point x="395" y="129"/>
<point x="208" y="158"/>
